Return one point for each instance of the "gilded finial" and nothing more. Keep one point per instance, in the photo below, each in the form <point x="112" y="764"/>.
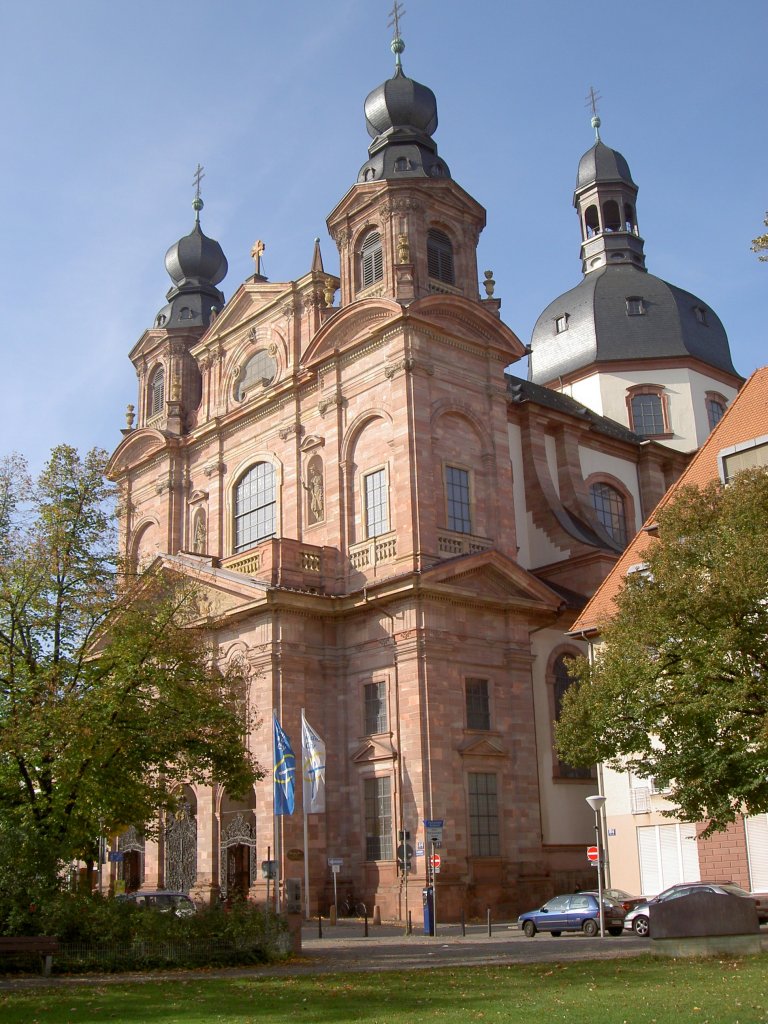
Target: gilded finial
<point x="592" y="99"/>
<point x="256" y="253"/>
<point x="397" y="44"/>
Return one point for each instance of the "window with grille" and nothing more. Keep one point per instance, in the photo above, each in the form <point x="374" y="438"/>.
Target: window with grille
<point x="608" y="504"/>
<point x="376" y="506"/>
<point x="157" y="391"/>
<point x="255" y="506"/>
<point x="562" y="681"/>
<point x="457" y="494"/>
<point x="648" y="415"/>
<point x="440" y="256"/>
<point x="478" y="704"/>
<point x="378" y="818"/>
<point x="376" y="719"/>
<point x="483" y="815"/>
<point x="371" y="260"/>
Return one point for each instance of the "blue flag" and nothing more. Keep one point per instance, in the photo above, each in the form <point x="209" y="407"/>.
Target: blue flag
<point x="284" y="772"/>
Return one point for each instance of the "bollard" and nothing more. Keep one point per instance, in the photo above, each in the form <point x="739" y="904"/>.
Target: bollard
<point x="463" y="923"/>
<point x="332" y="915"/>
<point x="377" y="914"/>
<point x="319" y="926"/>
<point x="410" y="923"/>
<point x="489" y="922"/>
<point x="365" y="925"/>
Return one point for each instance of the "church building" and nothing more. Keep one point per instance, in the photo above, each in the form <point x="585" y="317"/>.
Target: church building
<point x="395" y="532"/>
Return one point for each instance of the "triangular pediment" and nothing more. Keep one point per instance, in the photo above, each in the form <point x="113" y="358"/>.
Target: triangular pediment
<point x="491" y="576"/>
<point x="482" y="746"/>
<point x="374" y="749"/>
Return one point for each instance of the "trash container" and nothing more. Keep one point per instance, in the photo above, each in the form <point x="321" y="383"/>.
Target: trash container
<point x="429" y="910"/>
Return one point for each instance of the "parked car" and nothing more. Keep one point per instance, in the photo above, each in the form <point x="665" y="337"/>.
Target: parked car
<point x="177" y="903"/>
<point x="619" y="896"/>
<point x="639" y="918"/>
<point x="577" y="911"/>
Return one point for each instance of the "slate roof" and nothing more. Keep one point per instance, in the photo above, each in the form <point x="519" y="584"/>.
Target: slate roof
<point x="745" y="418"/>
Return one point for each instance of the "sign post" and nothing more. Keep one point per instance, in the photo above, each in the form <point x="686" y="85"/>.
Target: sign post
<point x="335" y="865"/>
<point x="433" y="829"/>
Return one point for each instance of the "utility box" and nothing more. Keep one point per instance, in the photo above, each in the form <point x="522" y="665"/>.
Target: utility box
<point x="292" y="896"/>
<point x="428" y="895"/>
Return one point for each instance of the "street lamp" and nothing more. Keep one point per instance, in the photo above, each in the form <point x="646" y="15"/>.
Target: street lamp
<point x="596" y="803"/>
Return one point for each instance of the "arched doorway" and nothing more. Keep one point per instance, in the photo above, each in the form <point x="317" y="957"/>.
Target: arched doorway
<point x="181" y="844"/>
<point x="130" y="870"/>
<point x="237" y="861"/>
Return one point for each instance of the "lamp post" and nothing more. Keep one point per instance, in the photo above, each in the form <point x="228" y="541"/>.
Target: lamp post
<point x="596" y="803"/>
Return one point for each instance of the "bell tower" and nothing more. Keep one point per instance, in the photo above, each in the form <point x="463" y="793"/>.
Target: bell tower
<point x="405" y="229"/>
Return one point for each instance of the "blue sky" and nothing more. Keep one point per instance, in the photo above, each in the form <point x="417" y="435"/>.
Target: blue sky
<point x="108" y="108"/>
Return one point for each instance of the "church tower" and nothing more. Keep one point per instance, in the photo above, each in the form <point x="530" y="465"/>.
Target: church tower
<point x="623" y="342"/>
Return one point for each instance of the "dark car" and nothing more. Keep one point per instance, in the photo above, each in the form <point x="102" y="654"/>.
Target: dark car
<point x="619" y="896"/>
<point x="639" y="919"/>
<point x="177" y="903"/>
<point x="576" y="912"/>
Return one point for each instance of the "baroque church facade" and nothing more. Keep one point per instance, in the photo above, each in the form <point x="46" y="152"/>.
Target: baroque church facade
<point x="395" y="532"/>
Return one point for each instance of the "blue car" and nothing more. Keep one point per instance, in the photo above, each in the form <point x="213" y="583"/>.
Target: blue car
<point x="576" y="912"/>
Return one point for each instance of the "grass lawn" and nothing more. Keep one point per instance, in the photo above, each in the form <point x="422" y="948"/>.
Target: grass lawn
<point x="642" y="991"/>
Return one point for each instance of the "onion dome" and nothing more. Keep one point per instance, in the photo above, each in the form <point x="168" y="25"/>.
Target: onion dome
<point x="401" y="117"/>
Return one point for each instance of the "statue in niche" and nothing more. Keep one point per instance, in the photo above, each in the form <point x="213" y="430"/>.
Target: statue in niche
<point x="314" y="490"/>
<point x="200" y="538"/>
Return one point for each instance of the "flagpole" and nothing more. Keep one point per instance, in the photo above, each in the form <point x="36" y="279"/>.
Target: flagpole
<point x="306" y="830"/>
<point x="275" y="822"/>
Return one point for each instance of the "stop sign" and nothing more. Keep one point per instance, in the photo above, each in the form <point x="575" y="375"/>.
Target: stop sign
<point x="592" y="853"/>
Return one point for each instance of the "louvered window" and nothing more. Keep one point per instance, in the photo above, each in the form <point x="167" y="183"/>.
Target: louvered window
<point x="440" y="256"/>
<point x="371" y="260"/>
<point x="157" y="391"/>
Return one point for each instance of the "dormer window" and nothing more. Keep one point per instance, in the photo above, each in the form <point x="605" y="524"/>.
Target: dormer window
<point x="371" y="260"/>
<point x="635" y="305"/>
<point x="440" y="256"/>
<point x="701" y="314"/>
<point x="561" y="323"/>
<point x="401" y="164"/>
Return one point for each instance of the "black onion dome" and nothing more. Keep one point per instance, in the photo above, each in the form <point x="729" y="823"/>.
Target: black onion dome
<point x="195" y="257"/>
<point x="195" y="264"/>
<point x="601" y="163"/>
<point x="401" y="117"/>
<point x="400" y="102"/>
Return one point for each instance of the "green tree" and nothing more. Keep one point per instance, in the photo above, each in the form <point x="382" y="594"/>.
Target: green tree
<point x="109" y="693"/>
<point x="760" y="244"/>
<point x="679" y="687"/>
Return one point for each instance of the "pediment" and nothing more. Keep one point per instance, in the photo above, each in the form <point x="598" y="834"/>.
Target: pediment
<point x="482" y="746"/>
<point x="349" y="327"/>
<point x="135" y="448"/>
<point x="374" y="749"/>
<point x="467" y="320"/>
<point x="491" y="576"/>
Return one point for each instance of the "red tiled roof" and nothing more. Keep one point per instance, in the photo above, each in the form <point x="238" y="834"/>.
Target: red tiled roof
<point x="745" y="418"/>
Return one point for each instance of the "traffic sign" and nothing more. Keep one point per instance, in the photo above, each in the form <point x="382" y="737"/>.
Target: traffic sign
<point x="434" y="861"/>
<point x="335" y="860"/>
<point x="593" y="854"/>
<point x="434" y="831"/>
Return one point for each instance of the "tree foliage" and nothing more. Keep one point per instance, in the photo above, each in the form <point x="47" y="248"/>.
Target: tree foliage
<point x="679" y="687"/>
<point x="109" y="694"/>
<point x="760" y="244"/>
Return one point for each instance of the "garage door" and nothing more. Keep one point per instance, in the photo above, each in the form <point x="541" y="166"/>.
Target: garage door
<point x="668" y="854"/>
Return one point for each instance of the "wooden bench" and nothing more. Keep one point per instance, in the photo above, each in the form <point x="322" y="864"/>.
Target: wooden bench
<point x="43" y="945"/>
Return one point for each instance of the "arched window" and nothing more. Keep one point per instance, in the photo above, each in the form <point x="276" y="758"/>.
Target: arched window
<point x="156" y="391"/>
<point x="629" y="218"/>
<point x="611" y="215"/>
<point x="440" y="256"/>
<point x="258" y="373"/>
<point x="255" y="506"/>
<point x="716" y="406"/>
<point x="562" y="681"/>
<point x="648" y="411"/>
<point x="371" y="260"/>
<point x="608" y="504"/>
<point x="592" y="221"/>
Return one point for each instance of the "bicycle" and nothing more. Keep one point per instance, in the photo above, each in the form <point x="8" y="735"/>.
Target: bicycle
<point x="350" y="907"/>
